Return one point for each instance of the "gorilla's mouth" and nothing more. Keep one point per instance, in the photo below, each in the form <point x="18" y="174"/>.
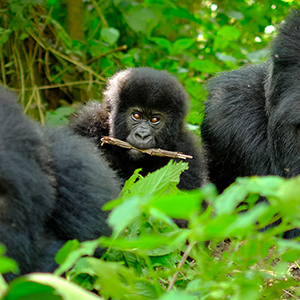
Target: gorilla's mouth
<point x="141" y="144"/>
<point x="135" y="154"/>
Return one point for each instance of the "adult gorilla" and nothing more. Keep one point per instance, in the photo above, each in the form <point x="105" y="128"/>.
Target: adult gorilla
<point x="146" y="108"/>
<point x="252" y="120"/>
<point x="52" y="187"/>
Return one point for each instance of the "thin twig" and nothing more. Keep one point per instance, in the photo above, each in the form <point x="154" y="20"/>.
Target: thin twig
<point x="65" y="57"/>
<point x="2" y="67"/>
<point x="29" y="101"/>
<point x="183" y="259"/>
<point x="22" y="74"/>
<point x="155" y="152"/>
<point x="289" y="294"/>
<point x="124" y="47"/>
<point x="46" y="87"/>
<point x="39" y="105"/>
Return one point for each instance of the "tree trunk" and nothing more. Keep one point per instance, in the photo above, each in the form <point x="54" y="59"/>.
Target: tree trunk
<point x="75" y="19"/>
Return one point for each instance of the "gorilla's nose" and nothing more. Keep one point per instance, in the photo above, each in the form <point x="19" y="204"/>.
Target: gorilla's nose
<point x="143" y="134"/>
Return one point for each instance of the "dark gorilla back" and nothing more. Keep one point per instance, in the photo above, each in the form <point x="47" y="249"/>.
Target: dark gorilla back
<point x="146" y="108"/>
<point x="52" y="188"/>
<point x="252" y="115"/>
<point x="234" y="129"/>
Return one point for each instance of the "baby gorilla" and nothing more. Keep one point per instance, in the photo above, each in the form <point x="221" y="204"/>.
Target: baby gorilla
<point x="146" y="108"/>
<point x="52" y="187"/>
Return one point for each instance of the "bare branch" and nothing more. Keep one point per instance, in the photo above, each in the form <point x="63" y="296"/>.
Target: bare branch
<point x="180" y="265"/>
<point x="155" y="152"/>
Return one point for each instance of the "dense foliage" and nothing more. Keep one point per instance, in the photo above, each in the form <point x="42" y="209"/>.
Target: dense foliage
<point x="191" y="39"/>
<point x="146" y="257"/>
<point x="54" y="67"/>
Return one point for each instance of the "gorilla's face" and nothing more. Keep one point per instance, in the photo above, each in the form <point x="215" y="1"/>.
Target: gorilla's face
<point x="143" y="129"/>
<point x="147" y="109"/>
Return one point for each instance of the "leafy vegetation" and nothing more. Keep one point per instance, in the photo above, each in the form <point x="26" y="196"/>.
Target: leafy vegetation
<point x="149" y="257"/>
<point x="51" y="66"/>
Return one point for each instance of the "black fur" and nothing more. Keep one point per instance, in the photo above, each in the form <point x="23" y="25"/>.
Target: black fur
<point x="252" y="115"/>
<point x="52" y="187"/>
<point x="152" y="93"/>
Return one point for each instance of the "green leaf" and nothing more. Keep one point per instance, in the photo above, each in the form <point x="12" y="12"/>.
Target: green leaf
<point x="140" y="19"/>
<point x="67" y="248"/>
<point x="86" y="248"/>
<point x="4" y="35"/>
<point x="183" y="43"/>
<point x="23" y="288"/>
<point x="160" y="181"/>
<point x="124" y="214"/>
<point x="229" y="33"/>
<point x="162" y="42"/>
<point x="59" y="116"/>
<point x="178" y="296"/>
<point x="64" y="111"/>
<point x="8" y="265"/>
<point x="224" y="57"/>
<point x="233" y="14"/>
<point x="183" y="13"/>
<point x="258" y="56"/>
<point x="115" y="279"/>
<point x="205" y="66"/>
<point x="152" y="245"/>
<point x="46" y="286"/>
<point x="180" y="206"/>
<point x="110" y="35"/>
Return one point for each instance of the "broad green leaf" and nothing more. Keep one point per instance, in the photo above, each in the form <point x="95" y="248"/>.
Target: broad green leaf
<point x="8" y="265"/>
<point x="245" y="222"/>
<point x="162" y="42"/>
<point x="23" y="288"/>
<point x="140" y="19"/>
<point x="183" y="43"/>
<point x="177" y="296"/>
<point x="234" y="14"/>
<point x="115" y="279"/>
<point x="46" y="286"/>
<point x="179" y="206"/>
<point x="236" y="193"/>
<point x="124" y="214"/>
<point x="64" y="111"/>
<point x="229" y="33"/>
<point x="258" y="56"/>
<point x="4" y="35"/>
<point x="160" y="181"/>
<point x="183" y="13"/>
<point x="86" y="248"/>
<point x="110" y="35"/>
<point x="153" y="245"/>
<point x="224" y="57"/>
<point x="67" y="248"/>
<point x="205" y="66"/>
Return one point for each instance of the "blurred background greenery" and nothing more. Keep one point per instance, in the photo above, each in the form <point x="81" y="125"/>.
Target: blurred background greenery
<point x="57" y="53"/>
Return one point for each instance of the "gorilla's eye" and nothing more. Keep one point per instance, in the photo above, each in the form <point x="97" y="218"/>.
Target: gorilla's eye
<point x="136" y="116"/>
<point x="154" y="119"/>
